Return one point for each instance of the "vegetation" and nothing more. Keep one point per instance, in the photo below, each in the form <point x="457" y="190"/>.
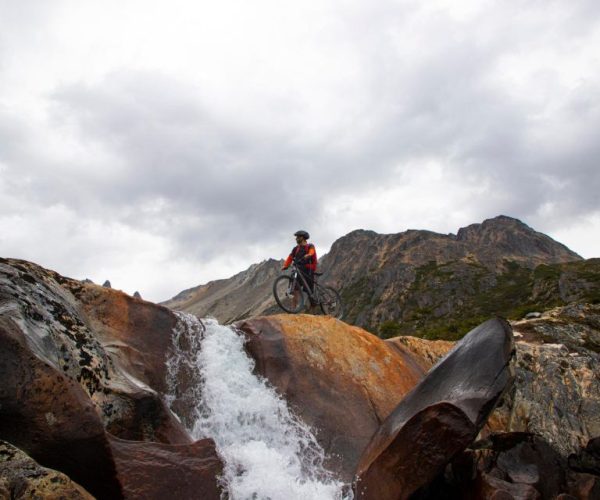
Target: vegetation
<point x="446" y="301"/>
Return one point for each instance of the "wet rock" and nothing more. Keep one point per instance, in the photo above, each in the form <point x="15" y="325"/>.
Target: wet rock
<point x="157" y="471"/>
<point x="21" y="477"/>
<point x="447" y="408"/>
<point x="339" y="379"/>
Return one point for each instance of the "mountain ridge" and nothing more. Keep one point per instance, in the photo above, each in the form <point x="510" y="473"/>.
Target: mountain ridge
<point x="397" y="279"/>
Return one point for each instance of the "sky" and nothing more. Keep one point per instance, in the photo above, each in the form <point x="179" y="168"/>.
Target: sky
<point x="164" y="144"/>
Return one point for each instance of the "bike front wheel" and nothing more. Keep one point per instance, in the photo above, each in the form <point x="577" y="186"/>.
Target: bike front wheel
<point x="331" y="302"/>
<point x="288" y="294"/>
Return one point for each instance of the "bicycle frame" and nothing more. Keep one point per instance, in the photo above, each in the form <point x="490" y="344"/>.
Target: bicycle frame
<point x="297" y="275"/>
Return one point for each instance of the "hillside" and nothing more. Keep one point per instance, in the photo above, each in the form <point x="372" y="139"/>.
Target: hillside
<point x="420" y="282"/>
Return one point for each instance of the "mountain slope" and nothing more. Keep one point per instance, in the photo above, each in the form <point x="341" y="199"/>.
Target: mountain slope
<point x="419" y="282"/>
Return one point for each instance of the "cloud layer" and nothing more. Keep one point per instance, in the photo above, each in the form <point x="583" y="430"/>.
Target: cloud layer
<point x="165" y="144"/>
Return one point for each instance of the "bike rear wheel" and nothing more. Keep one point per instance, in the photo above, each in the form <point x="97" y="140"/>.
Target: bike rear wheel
<point x="288" y="294"/>
<point x="331" y="302"/>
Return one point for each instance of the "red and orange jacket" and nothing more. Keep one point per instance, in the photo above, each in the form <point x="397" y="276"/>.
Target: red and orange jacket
<point x="298" y="252"/>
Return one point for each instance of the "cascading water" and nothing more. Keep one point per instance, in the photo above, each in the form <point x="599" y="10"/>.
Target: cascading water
<point x="267" y="451"/>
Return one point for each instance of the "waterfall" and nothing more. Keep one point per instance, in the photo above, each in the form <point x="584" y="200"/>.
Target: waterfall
<point x="268" y="452"/>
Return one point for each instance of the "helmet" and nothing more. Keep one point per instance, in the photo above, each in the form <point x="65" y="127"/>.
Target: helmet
<point x="302" y="233"/>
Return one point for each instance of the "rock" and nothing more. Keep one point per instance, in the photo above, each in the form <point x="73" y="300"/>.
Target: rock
<point x="523" y="458"/>
<point x="157" y="471"/>
<point x="51" y="418"/>
<point x="136" y="295"/>
<point x="87" y="281"/>
<point x="440" y="417"/>
<point x="426" y="352"/>
<point x="339" y="379"/>
<point x="492" y="488"/>
<point x="533" y="315"/>
<point x="585" y="486"/>
<point x="106" y="284"/>
<point x="21" y="477"/>
<point x="588" y="459"/>
<point x="556" y="394"/>
<point x="63" y="323"/>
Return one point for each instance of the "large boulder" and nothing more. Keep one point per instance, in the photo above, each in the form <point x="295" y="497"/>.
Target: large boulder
<point x="113" y="346"/>
<point x="440" y="417"/>
<point x="339" y="379"/>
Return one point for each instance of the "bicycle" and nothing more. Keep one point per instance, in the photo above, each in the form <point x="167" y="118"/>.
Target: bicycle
<point x="287" y="290"/>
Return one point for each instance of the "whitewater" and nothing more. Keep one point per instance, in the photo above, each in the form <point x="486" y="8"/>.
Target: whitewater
<point x="268" y="452"/>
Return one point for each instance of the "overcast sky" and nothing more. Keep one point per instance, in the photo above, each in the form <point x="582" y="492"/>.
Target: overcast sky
<point x="163" y="144"/>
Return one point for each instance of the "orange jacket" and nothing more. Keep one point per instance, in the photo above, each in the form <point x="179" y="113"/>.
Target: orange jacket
<point x="301" y="251"/>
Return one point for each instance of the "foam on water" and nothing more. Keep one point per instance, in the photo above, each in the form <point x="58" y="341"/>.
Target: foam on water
<point x="268" y="452"/>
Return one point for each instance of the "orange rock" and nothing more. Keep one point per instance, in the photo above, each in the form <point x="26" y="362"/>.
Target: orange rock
<point x="340" y="379"/>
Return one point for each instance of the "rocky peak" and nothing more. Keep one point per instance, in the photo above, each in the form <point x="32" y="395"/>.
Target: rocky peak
<point x="506" y="235"/>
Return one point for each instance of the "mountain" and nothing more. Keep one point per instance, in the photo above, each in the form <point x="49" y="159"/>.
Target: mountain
<point x="422" y="283"/>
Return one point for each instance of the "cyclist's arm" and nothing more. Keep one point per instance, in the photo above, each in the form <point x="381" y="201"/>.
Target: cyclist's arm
<point x="287" y="262"/>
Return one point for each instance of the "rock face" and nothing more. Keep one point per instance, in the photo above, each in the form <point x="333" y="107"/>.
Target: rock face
<point x="22" y="477"/>
<point x="557" y="389"/>
<point x="440" y="417"/>
<point x="422" y="283"/>
<point x="340" y="379"/>
<point x="79" y="363"/>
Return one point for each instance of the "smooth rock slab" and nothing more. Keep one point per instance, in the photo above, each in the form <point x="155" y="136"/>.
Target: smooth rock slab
<point x="445" y="412"/>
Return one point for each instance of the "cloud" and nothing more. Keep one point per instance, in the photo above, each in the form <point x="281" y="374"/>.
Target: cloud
<point x="199" y="138"/>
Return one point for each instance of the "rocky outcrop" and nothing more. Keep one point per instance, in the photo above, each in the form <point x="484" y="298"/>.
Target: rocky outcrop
<point x="440" y="417"/>
<point x="340" y="379"/>
<point x="557" y="389"/>
<point x="21" y="477"/>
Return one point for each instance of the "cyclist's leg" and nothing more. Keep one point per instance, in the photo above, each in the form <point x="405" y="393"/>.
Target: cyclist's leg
<point x="309" y="286"/>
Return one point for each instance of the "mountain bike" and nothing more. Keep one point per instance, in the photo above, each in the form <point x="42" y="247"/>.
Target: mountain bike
<point x="290" y="289"/>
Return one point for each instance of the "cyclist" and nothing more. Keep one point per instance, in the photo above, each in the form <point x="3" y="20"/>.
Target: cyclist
<point x="305" y="255"/>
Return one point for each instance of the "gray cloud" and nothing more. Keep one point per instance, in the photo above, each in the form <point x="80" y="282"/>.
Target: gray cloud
<point x="155" y="154"/>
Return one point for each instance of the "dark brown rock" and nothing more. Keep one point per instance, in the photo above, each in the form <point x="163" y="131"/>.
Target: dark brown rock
<point x="157" y="471"/>
<point x="493" y="488"/>
<point x="417" y="453"/>
<point x="462" y="388"/>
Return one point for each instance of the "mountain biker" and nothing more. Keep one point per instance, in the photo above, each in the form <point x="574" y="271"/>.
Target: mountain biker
<point x="305" y="256"/>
